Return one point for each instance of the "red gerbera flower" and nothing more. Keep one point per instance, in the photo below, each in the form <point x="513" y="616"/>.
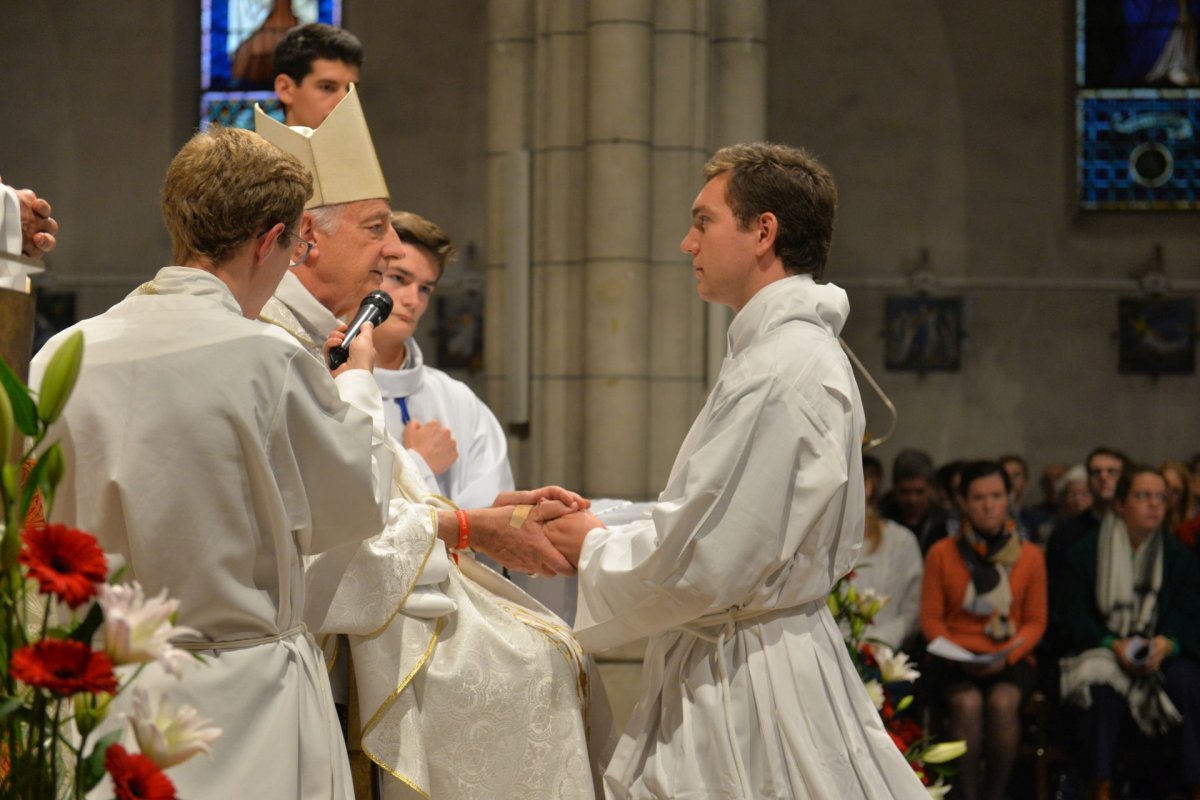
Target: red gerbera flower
<point x="136" y="777"/>
<point x="907" y="728"/>
<point x="888" y="711"/>
<point x="64" y="667"/>
<point x="868" y="655"/>
<point x="64" y="561"/>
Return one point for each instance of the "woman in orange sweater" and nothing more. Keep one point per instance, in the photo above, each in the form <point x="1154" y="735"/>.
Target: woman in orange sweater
<point x="985" y="590"/>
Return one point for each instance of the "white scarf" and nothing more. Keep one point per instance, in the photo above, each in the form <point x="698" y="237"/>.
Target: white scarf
<point x="1127" y="586"/>
<point x="1128" y="581"/>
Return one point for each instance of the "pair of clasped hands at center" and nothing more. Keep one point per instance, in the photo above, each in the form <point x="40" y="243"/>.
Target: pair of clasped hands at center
<point x="538" y="531"/>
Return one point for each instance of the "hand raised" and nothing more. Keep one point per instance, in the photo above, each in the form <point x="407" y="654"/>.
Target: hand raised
<point x="434" y="442"/>
<point x="362" y="348"/>
<point x="38" y="228"/>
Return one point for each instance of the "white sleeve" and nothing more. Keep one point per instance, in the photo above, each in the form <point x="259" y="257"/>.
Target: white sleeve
<point x="749" y="505"/>
<point x="330" y="455"/>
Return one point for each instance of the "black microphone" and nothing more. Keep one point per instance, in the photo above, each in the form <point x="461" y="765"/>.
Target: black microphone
<point x="374" y="309"/>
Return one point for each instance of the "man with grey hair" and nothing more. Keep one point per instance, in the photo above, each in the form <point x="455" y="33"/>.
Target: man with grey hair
<point x="397" y="596"/>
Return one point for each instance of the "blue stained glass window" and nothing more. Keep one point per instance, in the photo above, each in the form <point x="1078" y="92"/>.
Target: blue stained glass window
<point x="1137" y="104"/>
<point x="237" y="41"/>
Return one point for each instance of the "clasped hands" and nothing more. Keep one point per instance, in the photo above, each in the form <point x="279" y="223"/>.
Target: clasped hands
<point x="1159" y="647"/>
<point x="546" y="542"/>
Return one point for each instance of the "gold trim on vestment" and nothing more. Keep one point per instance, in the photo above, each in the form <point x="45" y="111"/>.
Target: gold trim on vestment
<point x="564" y="642"/>
<point x="445" y="500"/>
<point x="330" y="661"/>
<point x="302" y="336"/>
<point x="386" y="704"/>
<point x="403" y="779"/>
<point x="428" y="552"/>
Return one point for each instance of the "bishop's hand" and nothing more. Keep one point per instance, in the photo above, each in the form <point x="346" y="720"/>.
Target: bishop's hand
<point x="513" y="536"/>
<point x="362" y="348"/>
<point x="573" y="500"/>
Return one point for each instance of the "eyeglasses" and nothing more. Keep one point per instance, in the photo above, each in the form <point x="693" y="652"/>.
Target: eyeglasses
<point x="1146" y="496"/>
<point x="300" y="249"/>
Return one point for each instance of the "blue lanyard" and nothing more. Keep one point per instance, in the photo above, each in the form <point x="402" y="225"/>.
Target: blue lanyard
<point x="404" y="415"/>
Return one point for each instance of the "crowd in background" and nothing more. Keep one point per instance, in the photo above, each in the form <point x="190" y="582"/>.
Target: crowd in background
<point x="1080" y="602"/>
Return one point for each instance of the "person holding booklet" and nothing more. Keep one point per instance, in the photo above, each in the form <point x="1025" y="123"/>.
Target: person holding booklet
<point x="984" y="591"/>
<point x="1128" y="623"/>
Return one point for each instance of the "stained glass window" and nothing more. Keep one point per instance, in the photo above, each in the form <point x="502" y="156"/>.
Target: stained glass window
<point x="1137" y="104"/>
<point x="238" y="39"/>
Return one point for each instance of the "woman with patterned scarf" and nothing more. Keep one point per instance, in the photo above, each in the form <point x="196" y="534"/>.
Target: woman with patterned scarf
<point x="1129" y="618"/>
<point x="985" y="590"/>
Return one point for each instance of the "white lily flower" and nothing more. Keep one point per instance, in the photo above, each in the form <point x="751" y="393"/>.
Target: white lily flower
<point x="870" y="601"/>
<point x="894" y="666"/>
<point x="875" y="690"/>
<point x="169" y="734"/>
<point x="138" y="629"/>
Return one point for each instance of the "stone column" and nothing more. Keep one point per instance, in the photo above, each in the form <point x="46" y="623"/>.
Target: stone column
<point x="558" y="244"/>
<point x="739" y="100"/>
<point x="510" y="57"/>
<point x="680" y="147"/>
<point x="619" y="102"/>
<point x="617" y="196"/>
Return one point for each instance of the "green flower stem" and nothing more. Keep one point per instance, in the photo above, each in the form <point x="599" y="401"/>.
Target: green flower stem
<point x="54" y="737"/>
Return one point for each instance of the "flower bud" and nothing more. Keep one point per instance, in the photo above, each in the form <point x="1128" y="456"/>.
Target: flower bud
<point x="944" y="751"/>
<point x="10" y="546"/>
<point x="59" y="379"/>
<point x="90" y="710"/>
<point x="55" y="465"/>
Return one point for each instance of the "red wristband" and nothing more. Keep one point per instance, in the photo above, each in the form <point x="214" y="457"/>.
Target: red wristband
<point x="464" y="530"/>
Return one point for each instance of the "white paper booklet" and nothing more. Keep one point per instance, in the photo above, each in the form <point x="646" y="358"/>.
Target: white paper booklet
<point x="944" y="648"/>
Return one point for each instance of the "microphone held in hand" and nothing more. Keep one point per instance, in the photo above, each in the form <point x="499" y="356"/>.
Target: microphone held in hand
<point x="374" y="309"/>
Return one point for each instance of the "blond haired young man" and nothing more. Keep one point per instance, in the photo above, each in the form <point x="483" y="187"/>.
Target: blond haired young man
<point x="211" y="452"/>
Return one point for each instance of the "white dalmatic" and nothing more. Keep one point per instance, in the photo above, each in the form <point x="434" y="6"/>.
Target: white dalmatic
<point x="466" y="686"/>
<point x="211" y="453"/>
<point x="747" y="689"/>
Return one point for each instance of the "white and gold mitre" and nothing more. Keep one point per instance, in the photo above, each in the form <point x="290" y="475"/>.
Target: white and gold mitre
<point x="339" y="154"/>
